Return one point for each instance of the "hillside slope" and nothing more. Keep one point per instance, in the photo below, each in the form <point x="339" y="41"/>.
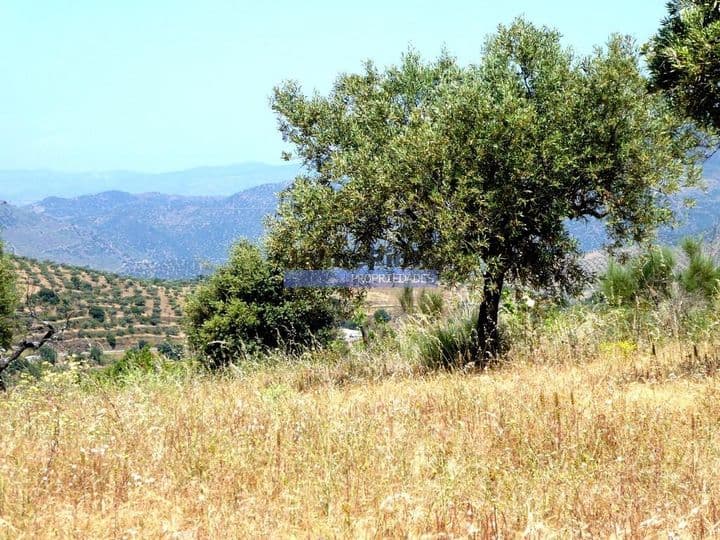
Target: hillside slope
<point x="104" y="310"/>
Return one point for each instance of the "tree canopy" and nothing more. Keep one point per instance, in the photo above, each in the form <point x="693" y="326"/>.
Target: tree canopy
<point x="684" y="59"/>
<point x="473" y="170"/>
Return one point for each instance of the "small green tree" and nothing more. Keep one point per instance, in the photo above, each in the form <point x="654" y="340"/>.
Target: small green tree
<point x="474" y="170"/>
<point x="244" y="307"/>
<point x="96" y="354"/>
<point x="97" y="313"/>
<point x="172" y="351"/>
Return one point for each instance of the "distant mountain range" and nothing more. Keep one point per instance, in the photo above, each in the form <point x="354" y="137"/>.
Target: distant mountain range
<point x="180" y="236"/>
<point x="146" y="235"/>
<point x="24" y="187"/>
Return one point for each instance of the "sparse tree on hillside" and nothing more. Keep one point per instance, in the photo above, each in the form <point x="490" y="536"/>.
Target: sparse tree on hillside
<point x="474" y="170"/>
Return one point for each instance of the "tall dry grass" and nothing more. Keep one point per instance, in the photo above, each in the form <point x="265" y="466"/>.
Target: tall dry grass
<point x="616" y="442"/>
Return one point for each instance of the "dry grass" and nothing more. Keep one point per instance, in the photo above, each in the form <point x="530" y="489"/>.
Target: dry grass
<point x="622" y="444"/>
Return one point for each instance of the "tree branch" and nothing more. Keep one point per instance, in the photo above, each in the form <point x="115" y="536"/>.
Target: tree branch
<point x="51" y="333"/>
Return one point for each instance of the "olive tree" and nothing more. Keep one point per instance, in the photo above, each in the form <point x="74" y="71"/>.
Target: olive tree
<point x="474" y="170"/>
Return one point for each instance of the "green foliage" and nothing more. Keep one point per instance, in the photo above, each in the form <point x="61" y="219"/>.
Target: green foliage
<point x="8" y="300"/>
<point x="47" y="296"/>
<point x="702" y="275"/>
<point x="244" y="308"/>
<point x="133" y="361"/>
<point x="654" y="272"/>
<point x="381" y="316"/>
<point x="172" y="351"/>
<point x="111" y="340"/>
<point x="96" y="354"/>
<point x="97" y="313"/>
<point x="450" y="344"/>
<point x="618" y="284"/>
<point x="493" y="158"/>
<point x="646" y="277"/>
<point x="407" y="300"/>
<point x="684" y="59"/>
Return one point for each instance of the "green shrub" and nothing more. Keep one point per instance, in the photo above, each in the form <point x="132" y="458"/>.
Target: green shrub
<point x="172" y="351"/>
<point x="701" y="276"/>
<point x="96" y="354"/>
<point x="244" y="308"/>
<point x="619" y="284"/>
<point x="48" y="354"/>
<point x="382" y="316"/>
<point x="133" y="361"/>
<point x="451" y="344"/>
<point x="97" y="313"/>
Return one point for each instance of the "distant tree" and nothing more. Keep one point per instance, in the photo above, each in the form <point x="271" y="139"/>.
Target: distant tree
<point x="244" y="307"/>
<point x="47" y="296"/>
<point x="473" y="171"/>
<point x="96" y="354"/>
<point x="684" y="59"/>
<point x="97" y="313"/>
<point x="111" y="340"/>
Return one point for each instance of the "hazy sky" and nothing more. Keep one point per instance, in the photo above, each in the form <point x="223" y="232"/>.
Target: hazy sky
<point x="157" y="85"/>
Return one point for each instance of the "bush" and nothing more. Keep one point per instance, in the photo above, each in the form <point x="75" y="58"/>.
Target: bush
<point x="47" y="296"/>
<point x="619" y="284"/>
<point x="244" y="308"/>
<point x="97" y="313"/>
<point x="111" y="340"/>
<point x="451" y="344"/>
<point x="382" y="316"/>
<point x="134" y="360"/>
<point x="172" y="351"/>
<point x="701" y="276"/>
<point x="96" y="354"/>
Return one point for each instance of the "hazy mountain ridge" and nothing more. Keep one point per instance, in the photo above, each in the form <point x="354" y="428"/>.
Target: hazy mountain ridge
<point x="146" y="235"/>
<point x="24" y="187"/>
<point x="176" y="236"/>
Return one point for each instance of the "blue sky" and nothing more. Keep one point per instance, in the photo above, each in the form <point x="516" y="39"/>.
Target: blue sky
<point x="158" y="85"/>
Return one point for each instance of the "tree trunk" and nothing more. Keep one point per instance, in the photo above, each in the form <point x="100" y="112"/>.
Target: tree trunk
<point x="488" y="342"/>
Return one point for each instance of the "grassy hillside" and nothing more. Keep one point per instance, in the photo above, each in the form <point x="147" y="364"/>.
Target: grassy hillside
<point x="102" y="305"/>
<point x="561" y="442"/>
